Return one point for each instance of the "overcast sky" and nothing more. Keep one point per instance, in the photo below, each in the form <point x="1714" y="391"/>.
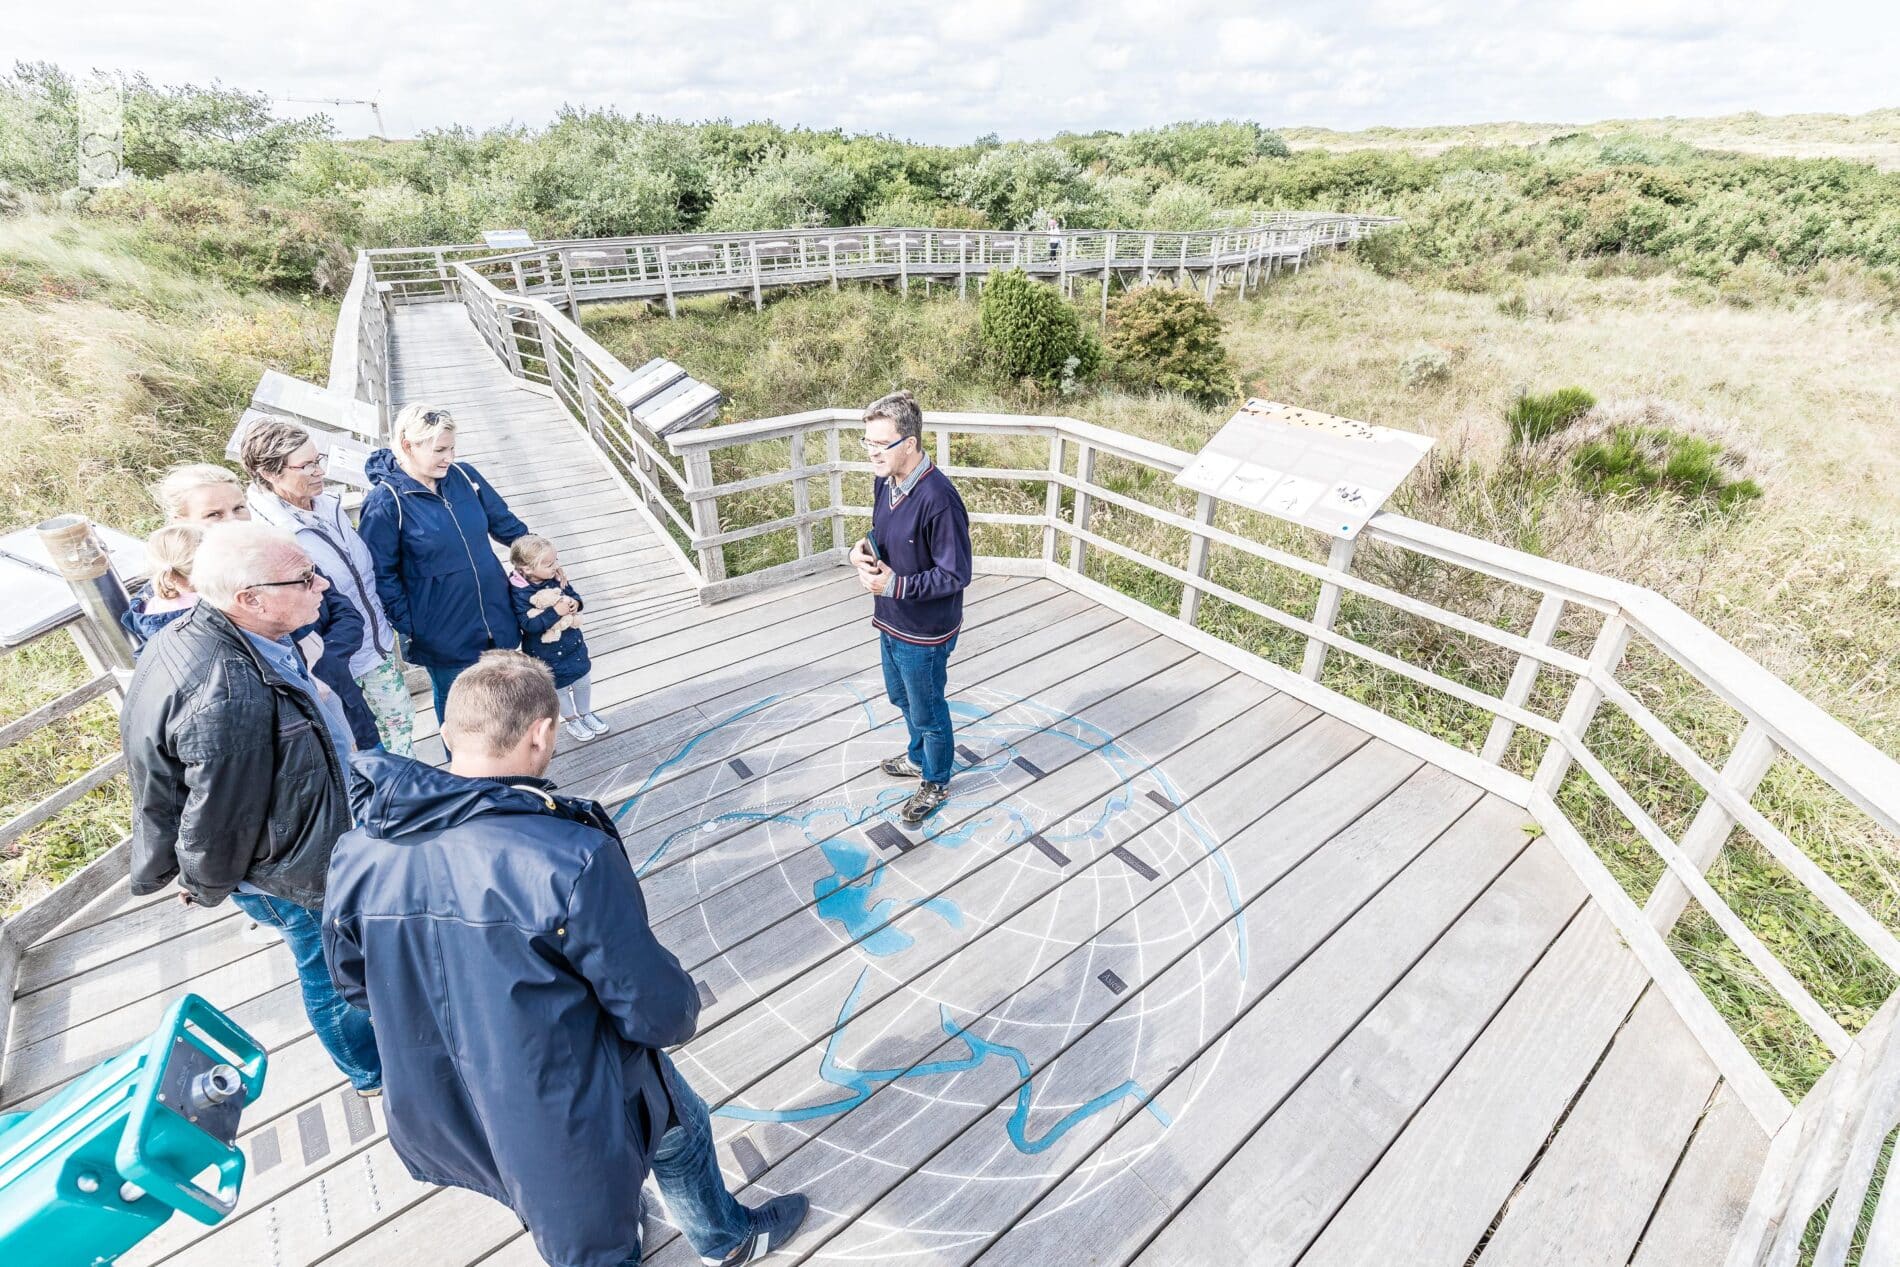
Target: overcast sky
<point x="953" y="70"/>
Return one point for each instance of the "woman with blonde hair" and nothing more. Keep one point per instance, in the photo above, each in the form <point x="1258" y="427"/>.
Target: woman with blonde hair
<point x="428" y="521"/>
<point x="287" y="491"/>
<point x="170" y="551"/>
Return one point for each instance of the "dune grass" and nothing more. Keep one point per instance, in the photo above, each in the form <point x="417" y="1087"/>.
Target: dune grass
<point x="116" y="364"/>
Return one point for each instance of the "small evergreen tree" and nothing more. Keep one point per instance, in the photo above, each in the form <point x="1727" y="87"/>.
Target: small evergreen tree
<point x="1031" y="333"/>
<point x="1168" y="338"/>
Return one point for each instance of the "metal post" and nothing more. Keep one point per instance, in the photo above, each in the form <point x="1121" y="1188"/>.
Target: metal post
<point x="1197" y="561"/>
<point x="87" y="568"/>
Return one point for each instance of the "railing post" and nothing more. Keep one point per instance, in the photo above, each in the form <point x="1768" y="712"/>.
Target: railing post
<point x="510" y="341"/>
<point x="833" y="245"/>
<point x="1612" y="641"/>
<point x="1326" y="608"/>
<point x="1246" y="262"/>
<point x="521" y="286"/>
<point x="963" y="267"/>
<point x="1147" y="258"/>
<point x="801" y="494"/>
<point x="666" y="283"/>
<point x="590" y="402"/>
<point x="1197" y="561"/>
<point x="567" y="282"/>
<point x="903" y="264"/>
<point x="837" y="487"/>
<point x="1084" y="504"/>
<point x="1708" y="831"/>
<point x="712" y="559"/>
<point x="1523" y="678"/>
<point x="758" y="298"/>
<point x="1052" y="502"/>
<point x="1213" y="265"/>
<point x="83" y="562"/>
<point x="1180" y="272"/>
<point x="1108" y="263"/>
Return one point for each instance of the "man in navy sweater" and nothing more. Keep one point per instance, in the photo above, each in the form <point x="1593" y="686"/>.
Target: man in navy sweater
<point x="916" y="563"/>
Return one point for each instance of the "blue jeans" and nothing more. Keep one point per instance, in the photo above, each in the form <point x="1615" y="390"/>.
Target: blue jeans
<point x="344" y="1031"/>
<point x="440" y="680"/>
<point x="914" y="678"/>
<point x="687" y="1171"/>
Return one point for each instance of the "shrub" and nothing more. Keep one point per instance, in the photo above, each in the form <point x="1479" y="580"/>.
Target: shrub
<point x="215" y="226"/>
<point x="1426" y="365"/>
<point x="1536" y="418"/>
<point x="1168" y="338"/>
<point x="1634" y="460"/>
<point x="1031" y="333"/>
<point x="1649" y="446"/>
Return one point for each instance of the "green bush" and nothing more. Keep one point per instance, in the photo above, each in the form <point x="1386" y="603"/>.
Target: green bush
<point x="1537" y="418"/>
<point x="1424" y="366"/>
<point x="1167" y="338"/>
<point x="1032" y="333"/>
<point x="215" y="226"/>
<point x="1648" y="460"/>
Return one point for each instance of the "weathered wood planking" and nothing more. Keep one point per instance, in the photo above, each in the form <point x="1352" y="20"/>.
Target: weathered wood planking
<point x="1437" y="1189"/>
<point x="1275" y="1192"/>
<point x="1387" y="895"/>
<point x="1703" y="1205"/>
<point x="1593" y="1191"/>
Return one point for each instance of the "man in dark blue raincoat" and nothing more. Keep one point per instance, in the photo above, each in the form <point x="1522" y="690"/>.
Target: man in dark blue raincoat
<point x="496" y="933"/>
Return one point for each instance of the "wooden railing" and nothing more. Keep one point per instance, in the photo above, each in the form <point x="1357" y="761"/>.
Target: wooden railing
<point x="666" y="267"/>
<point x="1830" y="1139"/>
<point x="359" y="354"/>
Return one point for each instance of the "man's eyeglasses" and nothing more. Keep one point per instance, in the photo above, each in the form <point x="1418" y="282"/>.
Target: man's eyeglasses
<point x="875" y="446"/>
<point x="306" y="578"/>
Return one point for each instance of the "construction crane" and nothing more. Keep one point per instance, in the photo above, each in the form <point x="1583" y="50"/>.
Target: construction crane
<point x="382" y="133"/>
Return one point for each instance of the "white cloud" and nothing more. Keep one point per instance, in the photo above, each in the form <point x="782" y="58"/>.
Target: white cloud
<point x="951" y="71"/>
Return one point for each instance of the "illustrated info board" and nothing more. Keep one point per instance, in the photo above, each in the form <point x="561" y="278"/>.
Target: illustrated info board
<point x="1330" y="474"/>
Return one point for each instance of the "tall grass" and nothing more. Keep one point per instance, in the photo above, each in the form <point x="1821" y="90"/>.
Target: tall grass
<point x="113" y="365"/>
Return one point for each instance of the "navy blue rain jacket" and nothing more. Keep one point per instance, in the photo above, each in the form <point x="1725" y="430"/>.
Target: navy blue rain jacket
<point x="567" y="655"/>
<point x="496" y="934"/>
<point x="442" y="586"/>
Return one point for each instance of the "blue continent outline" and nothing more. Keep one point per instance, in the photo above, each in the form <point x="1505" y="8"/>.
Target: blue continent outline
<point x="846" y="896"/>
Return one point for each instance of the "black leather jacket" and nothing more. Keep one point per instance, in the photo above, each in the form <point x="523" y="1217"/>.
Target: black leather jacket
<point x="233" y="773"/>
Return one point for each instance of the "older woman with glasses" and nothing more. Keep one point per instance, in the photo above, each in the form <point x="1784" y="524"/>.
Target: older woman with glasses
<point x="428" y="522"/>
<point x="287" y="491"/>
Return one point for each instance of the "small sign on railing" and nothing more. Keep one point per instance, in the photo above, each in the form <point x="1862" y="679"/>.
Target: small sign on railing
<point x="1328" y="473"/>
<point x="507" y="239"/>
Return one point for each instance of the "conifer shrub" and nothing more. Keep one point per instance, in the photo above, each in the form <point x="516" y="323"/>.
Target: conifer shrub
<point x="1030" y="332"/>
<point x="1170" y="339"/>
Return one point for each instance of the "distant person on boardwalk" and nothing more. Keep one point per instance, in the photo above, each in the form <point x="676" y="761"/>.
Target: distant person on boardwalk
<point x="205" y="494"/>
<point x="287" y="491"/>
<point x="549" y="613"/>
<point x="497" y="933"/>
<point x="1055" y="238"/>
<point x="916" y="561"/>
<point x="238" y="764"/>
<point x="428" y="521"/>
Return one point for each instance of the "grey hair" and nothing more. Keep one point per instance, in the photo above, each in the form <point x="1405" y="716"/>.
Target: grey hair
<point x="900" y="407"/>
<point x="494" y="701"/>
<point x="268" y="444"/>
<point x="237" y="555"/>
<point x="177" y="484"/>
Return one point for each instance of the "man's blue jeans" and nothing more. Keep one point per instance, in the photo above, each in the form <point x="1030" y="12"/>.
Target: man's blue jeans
<point x="344" y="1031"/>
<point x="914" y="678"/>
<point x="687" y="1171"/>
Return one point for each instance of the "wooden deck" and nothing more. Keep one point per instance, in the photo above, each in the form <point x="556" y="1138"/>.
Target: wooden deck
<point x="1186" y="972"/>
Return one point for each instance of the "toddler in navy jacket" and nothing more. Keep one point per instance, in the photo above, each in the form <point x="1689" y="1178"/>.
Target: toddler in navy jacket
<point x="548" y="611"/>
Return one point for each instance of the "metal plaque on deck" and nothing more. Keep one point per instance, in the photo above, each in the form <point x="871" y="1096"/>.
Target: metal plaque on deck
<point x="1327" y="473"/>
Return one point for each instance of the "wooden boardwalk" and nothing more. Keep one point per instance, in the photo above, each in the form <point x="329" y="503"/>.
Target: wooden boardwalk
<point x="1186" y="971"/>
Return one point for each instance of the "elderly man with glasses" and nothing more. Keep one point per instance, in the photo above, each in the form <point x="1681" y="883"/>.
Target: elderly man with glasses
<point x="916" y="563"/>
<point x="239" y="765"/>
